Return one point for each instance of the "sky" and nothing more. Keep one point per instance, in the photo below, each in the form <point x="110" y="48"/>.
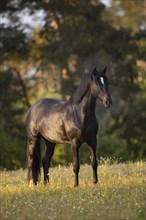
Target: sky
<point x="106" y="2"/>
<point x="34" y="21"/>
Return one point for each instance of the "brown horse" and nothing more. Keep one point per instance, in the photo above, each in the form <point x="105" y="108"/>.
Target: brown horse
<point x="72" y="122"/>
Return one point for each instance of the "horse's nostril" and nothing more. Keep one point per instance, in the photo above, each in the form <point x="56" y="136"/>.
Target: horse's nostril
<point x="107" y="102"/>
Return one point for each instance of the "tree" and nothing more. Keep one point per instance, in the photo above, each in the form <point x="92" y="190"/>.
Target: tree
<point x="12" y="133"/>
<point x="128" y="120"/>
<point x="50" y="60"/>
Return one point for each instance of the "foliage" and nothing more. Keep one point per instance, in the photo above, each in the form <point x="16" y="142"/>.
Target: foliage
<point x="50" y="59"/>
<point x="11" y="127"/>
<point x="120" y="194"/>
<point x="11" y="151"/>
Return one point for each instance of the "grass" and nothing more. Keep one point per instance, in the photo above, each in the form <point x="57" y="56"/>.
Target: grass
<point x="120" y="194"/>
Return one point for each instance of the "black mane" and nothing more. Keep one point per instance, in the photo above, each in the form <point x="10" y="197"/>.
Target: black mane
<point x="81" y="90"/>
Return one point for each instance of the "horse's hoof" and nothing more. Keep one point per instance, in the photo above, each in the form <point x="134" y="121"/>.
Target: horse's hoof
<point x="31" y="184"/>
<point x="95" y="181"/>
<point x="46" y="182"/>
<point x="76" y="184"/>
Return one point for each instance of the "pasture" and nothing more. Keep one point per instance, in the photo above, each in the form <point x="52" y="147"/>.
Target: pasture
<point x="119" y="194"/>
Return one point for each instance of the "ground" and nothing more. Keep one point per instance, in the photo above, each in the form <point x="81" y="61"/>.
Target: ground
<point x="119" y="195"/>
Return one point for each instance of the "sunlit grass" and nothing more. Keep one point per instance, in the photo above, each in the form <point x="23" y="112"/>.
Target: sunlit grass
<point x="120" y="194"/>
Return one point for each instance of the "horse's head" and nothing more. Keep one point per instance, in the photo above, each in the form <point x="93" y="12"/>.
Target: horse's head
<point x="99" y="86"/>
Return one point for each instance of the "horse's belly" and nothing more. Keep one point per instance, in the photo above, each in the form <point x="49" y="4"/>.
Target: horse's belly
<point x="54" y="132"/>
<point x="55" y="137"/>
<point x="57" y="132"/>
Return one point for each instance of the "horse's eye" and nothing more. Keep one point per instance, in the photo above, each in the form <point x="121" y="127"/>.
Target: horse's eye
<point x="98" y="82"/>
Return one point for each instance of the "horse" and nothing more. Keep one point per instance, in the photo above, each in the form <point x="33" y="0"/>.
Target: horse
<point x="71" y="122"/>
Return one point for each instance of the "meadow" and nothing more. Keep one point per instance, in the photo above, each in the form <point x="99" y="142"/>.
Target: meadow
<point x="119" y="194"/>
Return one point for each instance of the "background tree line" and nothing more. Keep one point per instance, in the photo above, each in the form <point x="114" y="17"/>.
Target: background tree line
<point x="46" y="48"/>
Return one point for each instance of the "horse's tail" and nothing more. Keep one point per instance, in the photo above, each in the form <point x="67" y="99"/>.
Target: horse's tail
<point x="36" y="166"/>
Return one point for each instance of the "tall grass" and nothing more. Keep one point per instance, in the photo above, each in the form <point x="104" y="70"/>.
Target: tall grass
<point x="120" y="194"/>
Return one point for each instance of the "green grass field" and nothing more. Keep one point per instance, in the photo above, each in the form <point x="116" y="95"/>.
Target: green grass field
<point x="120" y="194"/>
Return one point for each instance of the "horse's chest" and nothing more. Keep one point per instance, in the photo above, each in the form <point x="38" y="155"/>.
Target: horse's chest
<point x="90" y="129"/>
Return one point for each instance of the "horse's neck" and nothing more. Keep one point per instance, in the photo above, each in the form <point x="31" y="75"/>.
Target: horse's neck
<point x="80" y="92"/>
<point x="84" y="111"/>
<point x="82" y="99"/>
<point x="88" y="104"/>
<point x="86" y="107"/>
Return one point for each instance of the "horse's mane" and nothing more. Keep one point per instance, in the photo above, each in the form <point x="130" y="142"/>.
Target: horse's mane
<point x="81" y="90"/>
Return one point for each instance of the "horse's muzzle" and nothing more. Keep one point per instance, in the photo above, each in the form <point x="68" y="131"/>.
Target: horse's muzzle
<point x="107" y="102"/>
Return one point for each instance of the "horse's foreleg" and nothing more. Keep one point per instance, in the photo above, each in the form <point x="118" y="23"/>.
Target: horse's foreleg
<point x="92" y="146"/>
<point x="46" y="160"/>
<point x="76" y="165"/>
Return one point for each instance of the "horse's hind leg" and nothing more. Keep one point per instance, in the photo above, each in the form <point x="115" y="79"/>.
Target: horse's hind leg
<point x="33" y="159"/>
<point x="46" y="160"/>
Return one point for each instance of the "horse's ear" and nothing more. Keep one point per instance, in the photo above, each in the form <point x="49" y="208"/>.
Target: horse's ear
<point x="104" y="70"/>
<point x="94" y="73"/>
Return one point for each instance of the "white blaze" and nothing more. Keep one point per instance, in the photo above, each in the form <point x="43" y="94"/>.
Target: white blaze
<point x="102" y="80"/>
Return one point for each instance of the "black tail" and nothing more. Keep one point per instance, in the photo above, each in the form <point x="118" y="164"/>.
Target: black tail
<point x="36" y="166"/>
